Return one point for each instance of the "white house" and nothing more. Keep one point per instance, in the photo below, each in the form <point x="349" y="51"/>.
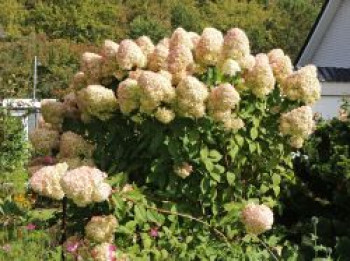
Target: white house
<point x="328" y="47"/>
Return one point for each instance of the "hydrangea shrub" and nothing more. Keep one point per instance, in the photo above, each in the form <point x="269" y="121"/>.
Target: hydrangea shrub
<point x="179" y="148"/>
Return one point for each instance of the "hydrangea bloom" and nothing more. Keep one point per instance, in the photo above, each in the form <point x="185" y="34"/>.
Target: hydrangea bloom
<point x="257" y="218"/>
<point x="77" y="162"/>
<point x="128" y="95"/>
<point x="236" y="44"/>
<point x="158" y="59"/>
<point x="53" y="112"/>
<point x="247" y="62"/>
<point x="281" y="64"/>
<point x="181" y="37"/>
<point x="101" y="228"/>
<point x="184" y="170"/>
<point x="302" y="85"/>
<point x="155" y="89"/>
<point x="73" y="145"/>
<point x="146" y="45"/>
<point x="109" y="53"/>
<point x="46" y="181"/>
<point x="91" y="65"/>
<point x="130" y="55"/>
<point x="298" y="124"/>
<point x="260" y="78"/>
<point x="98" y="101"/>
<point x="230" y="67"/>
<point x="223" y="97"/>
<point x="179" y="60"/>
<point x="228" y="119"/>
<point x="71" y="105"/>
<point x="105" y="252"/>
<point x="191" y="95"/>
<point x="85" y="185"/>
<point x="110" y="49"/>
<point x="44" y="140"/>
<point x="164" y="115"/>
<point x="79" y="81"/>
<point x="209" y="46"/>
<point x="194" y="38"/>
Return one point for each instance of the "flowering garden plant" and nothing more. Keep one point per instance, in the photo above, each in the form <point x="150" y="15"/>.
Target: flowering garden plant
<point x="176" y="150"/>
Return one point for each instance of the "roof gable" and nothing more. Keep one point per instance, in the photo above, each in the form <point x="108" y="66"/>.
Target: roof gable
<point x="318" y="31"/>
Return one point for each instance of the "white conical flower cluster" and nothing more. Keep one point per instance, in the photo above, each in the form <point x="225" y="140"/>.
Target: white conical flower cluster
<point x="85" y="185"/>
<point x="298" y="124"/>
<point x="257" y="218"/>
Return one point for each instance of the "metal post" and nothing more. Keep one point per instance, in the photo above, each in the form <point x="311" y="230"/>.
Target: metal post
<point x="35" y="76"/>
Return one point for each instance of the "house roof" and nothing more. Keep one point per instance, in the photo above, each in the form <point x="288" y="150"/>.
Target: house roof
<point x="327" y="43"/>
<point x="315" y="27"/>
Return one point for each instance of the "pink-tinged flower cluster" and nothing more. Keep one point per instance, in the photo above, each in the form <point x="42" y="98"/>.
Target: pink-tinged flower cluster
<point x="107" y="252"/>
<point x="181" y="37"/>
<point x="101" y="229"/>
<point x="222" y="101"/>
<point x="130" y="55"/>
<point x="208" y="48"/>
<point x="260" y="79"/>
<point x="85" y="185"/>
<point x="257" y="218"/>
<point x="109" y="53"/>
<point x="183" y="170"/>
<point x="302" y="85"/>
<point x="158" y="58"/>
<point x="128" y="93"/>
<point x="155" y="90"/>
<point x="79" y="81"/>
<point x="280" y="63"/>
<point x="46" y="181"/>
<point x="53" y="112"/>
<point x="223" y="97"/>
<point x="146" y="45"/>
<point x="97" y="101"/>
<point x="44" y="140"/>
<point x="91" y="66"/>
<point x="191" y="95"/>
<point x="180" y="59"/>
<point x="298" y="124"/>
<point x="236" y="45"/>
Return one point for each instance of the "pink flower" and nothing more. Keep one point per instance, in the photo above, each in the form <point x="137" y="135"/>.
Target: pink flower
<point x="154" y="232"/>
<point x="72" y="247"/>
<point x="30" y="226"/>
<point x="112" y="249"/>
<point x="6" y="247"/>
<point x="48" y="160"/>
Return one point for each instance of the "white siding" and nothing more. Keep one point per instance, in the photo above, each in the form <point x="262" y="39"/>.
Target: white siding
<point x="332" y="96"/>
<point x="334" y="50"/>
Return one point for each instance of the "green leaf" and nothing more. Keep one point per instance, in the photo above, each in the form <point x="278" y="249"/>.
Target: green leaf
<point x="215" y="155"/>
<point x="239" y="139"/>
<point x="231" y="177"/>
<point x="140" y="213"/>
<point x="253" y="133"/>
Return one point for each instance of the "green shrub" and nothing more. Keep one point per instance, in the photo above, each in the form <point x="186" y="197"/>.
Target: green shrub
<point x="323" y="190"/>
<point x="13" y="146"/>
<point x="142" y="25"/>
